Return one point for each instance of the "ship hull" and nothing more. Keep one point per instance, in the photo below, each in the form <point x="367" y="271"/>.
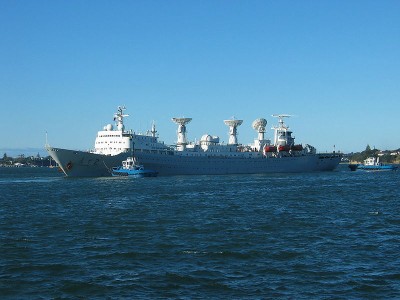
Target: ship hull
<point x="213" y="165"/>
<point x="134" y="173"/>
<point x="377" y="168"/>
<point x="86" y="164"/>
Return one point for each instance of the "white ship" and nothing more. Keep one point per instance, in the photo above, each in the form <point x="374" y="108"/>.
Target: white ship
<point x="207" y="156"/>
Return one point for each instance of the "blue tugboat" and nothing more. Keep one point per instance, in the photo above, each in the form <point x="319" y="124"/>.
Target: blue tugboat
<point x="132" y="169"/>
<point x="372" y="164"/>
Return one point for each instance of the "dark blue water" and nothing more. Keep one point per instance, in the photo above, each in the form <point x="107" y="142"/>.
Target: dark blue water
<point x="332" y="235"/>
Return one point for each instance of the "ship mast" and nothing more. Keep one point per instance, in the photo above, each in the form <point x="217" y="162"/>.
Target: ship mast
<point x="119" y="118"/>
<point x="153" y="129"/>
<point x="280" y="130"/>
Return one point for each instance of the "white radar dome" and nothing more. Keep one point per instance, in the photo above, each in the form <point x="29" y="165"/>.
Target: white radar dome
<point x="121" y="127"/>
<point x="206" y="138"/>
<point x="109" y="127"/>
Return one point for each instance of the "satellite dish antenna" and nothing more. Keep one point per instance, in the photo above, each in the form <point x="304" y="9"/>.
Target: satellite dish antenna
<point x="259" y="125"/>
<point x="182" y="142"/>
<point x="233" y="124"/>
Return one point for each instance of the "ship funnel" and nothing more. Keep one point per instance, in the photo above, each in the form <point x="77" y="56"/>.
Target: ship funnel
<point x="182" y="142"/>
<point x="233" y="124"/>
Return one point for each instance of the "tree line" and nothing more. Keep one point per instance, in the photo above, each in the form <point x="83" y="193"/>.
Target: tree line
<point x="26" y="160"/>
<point x="384" y="156"/>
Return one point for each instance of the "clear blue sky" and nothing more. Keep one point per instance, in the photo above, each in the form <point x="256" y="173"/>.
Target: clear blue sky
<point x="66" y="65"/>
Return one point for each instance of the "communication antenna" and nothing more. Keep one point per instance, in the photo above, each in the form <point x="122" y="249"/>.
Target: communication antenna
<point x="153" y="129"/>
<point x="182" y="122"/>
<point x="259" y="125"/>
<point x="119" y="117"/>
<point x="280" y="120"/>
<point x="233" y="125"/>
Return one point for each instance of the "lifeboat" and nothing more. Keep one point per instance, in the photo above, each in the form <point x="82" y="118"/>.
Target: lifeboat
<point x="297" y="147"/>
<point x="270" y="149"/>
<point x="283" y="148"/>
<point x="288" y="148"/>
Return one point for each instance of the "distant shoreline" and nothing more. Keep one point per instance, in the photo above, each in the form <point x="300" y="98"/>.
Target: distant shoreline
<point x="15" y="152"/>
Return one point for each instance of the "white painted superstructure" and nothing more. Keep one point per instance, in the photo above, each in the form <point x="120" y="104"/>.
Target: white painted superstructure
<point x="112" y="141"/>
<point x="206" y="156"/>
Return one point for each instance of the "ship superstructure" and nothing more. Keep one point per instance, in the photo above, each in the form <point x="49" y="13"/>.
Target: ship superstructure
<point x="113" y="141"/>
<point x="206" y="156"/>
